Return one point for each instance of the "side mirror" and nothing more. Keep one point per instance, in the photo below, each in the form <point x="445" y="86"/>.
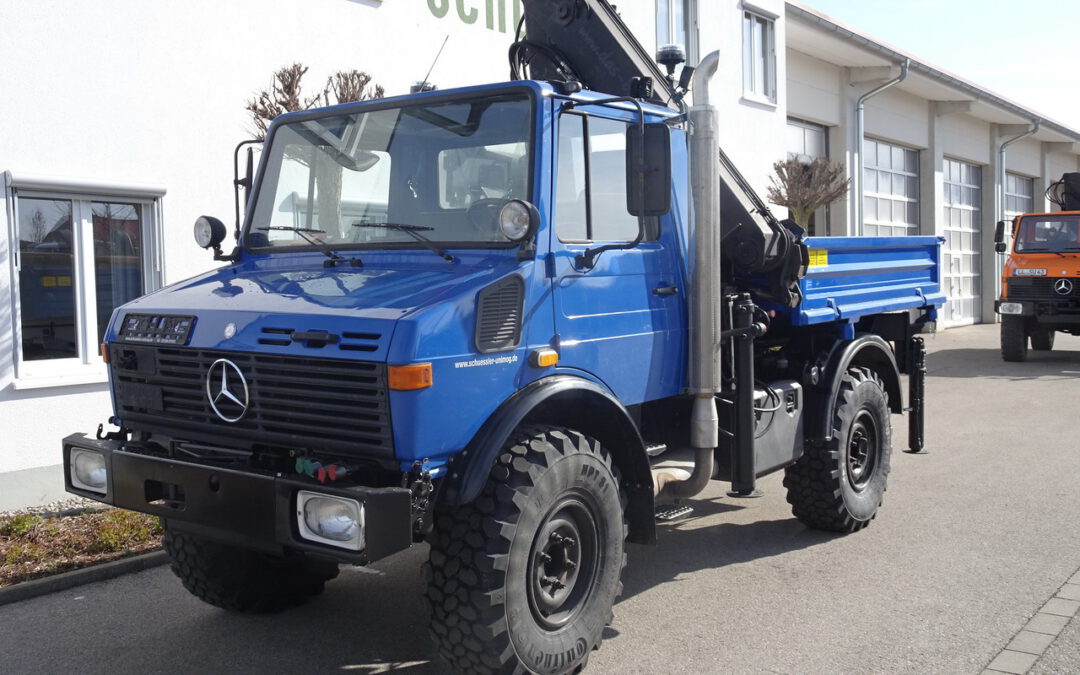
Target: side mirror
<point x="1000" y="247"/>
<point x="649" y="195"/>
<point x="999" y="232"/>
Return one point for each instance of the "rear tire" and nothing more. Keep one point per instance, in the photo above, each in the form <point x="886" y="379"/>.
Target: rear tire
<point x="1042" y="339"/>
<point x="240" y="580"/>
<point x="838" y="486"/>
<point x="1014" y="339"/>
<point x="524" y="578"/>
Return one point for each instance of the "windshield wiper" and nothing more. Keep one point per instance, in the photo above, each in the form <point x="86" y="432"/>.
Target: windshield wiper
<point x="414" y="232"/>
<point x="323" y="247"/>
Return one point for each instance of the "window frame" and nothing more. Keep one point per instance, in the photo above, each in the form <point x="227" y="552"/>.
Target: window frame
<point x="88" y="367"/>
<point x="652" y="223"/>
<point x="1015" y="197"/>
<point x="752" y="50"/>
<point x="672" y="31"/>
<point x="910" y="228"/>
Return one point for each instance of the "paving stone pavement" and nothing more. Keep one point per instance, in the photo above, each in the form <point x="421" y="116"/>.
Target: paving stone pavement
<point x="1057" y="618"/>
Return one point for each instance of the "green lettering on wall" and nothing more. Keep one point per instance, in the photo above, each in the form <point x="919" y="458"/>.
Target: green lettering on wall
<point x="439" y="7"/>
<point x="495" y="12"/>
<point x="466" y="17"/>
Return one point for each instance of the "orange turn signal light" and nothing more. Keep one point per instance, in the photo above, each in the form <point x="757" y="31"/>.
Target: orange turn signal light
<point x="410" y="377"/>
<point x="544" y="358"/>
<point x="105" y="352"/>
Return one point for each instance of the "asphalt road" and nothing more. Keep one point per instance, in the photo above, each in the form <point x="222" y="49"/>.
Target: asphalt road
<point x="972" y="540"/>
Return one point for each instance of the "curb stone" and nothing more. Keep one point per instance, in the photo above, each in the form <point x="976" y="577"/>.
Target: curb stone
<point x="85" y="575"/>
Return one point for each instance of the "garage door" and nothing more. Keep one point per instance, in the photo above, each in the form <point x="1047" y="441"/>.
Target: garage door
<point x="963" y="239"/>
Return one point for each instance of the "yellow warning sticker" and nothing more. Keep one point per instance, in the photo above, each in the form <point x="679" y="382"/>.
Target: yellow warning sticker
<point x="819" y="257"/>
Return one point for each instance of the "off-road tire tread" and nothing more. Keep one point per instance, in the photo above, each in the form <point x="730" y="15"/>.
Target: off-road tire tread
<point x="1014" y="345"/>
<point x="240" y="580"/>
<point x="1042" y="340"/>
<point x="470" y="549"/>
<point x="814" y="482"/>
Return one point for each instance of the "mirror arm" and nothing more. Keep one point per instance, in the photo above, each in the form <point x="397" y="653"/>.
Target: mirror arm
<point x="238" y="183"/>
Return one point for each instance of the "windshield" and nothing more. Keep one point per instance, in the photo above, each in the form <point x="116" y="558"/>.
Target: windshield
<point x="377" y="179"/>
<point x="1048" y="234"/>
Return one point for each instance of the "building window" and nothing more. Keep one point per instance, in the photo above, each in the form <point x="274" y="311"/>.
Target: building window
<point x="759" y="57"/>
<point x="890" y="189"/>
<point x="806" y="142"/>
<point x="77" y="256"/>
<point x="963" y="241"/>
<point x="1019" y="195"/>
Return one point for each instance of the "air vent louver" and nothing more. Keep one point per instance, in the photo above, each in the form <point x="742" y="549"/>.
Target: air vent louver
<point x="498" y="315"/>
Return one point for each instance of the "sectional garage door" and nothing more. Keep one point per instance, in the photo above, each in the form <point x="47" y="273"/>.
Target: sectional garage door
<point x="963" y="241"/>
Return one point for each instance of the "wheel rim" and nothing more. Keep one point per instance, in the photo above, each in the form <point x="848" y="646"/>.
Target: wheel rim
<point x="563" y="563"/>
<point x="863" y="450"/>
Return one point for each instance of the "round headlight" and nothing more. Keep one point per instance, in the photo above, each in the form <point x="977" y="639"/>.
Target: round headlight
<point x="335" y="519"/>
<point x="516" y="219"/>
<point x="89" y="469"/>
<point x="208" y="231"/>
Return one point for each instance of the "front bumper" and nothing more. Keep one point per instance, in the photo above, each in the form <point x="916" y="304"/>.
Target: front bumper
<point x="241" y="508"/>
<point x="1047" y="313"/>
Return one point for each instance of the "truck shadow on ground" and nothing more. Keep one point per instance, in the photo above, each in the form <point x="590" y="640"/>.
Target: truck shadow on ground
<point x="683" y="547"/>
<point x="374" y="621"/>
<point x="971" y="363"/>
<point x="369" y="620"/>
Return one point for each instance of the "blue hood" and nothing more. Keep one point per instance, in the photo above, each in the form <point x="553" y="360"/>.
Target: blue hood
<point x="267" y="299"/>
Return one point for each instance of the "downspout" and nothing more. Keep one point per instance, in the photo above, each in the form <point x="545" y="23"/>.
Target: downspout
<point x="704" y="362"/>
<point x="1001" y="193"/>
<point x="860" y="133"/>
<point x="1001" y="166"/>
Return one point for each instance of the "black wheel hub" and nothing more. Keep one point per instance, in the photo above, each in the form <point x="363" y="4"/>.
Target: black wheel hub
<point x="863" y="450"/>
<point x="563" y="563"/>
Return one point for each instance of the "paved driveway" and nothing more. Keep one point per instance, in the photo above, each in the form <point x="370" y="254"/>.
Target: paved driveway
<point x="973" y="539"/>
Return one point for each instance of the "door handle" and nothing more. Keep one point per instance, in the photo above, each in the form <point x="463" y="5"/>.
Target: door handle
<point x="665" y="290"/>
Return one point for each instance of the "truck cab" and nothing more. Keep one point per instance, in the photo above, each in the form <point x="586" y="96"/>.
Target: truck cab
<point x="1040" y="282"/>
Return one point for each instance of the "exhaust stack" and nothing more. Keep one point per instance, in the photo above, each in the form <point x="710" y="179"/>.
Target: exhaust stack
<point x="704" y="375"/>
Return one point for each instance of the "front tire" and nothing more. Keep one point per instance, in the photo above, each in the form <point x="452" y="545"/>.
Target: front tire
<point x="240" y="580"/>
<point x="1014" y="339"/>
<point x="839" y="485"/>
<point x="1042" y="339"/>
<point x="524" y="578"/>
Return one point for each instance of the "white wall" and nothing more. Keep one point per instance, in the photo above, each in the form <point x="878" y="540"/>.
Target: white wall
<point x="813" y="89"/>
<point x="154" y="92"/>
<point x="751" y="133"/>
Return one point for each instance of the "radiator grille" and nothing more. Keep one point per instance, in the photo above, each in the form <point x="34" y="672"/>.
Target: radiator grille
<point x="294" y="402"/>
<point x="1040" y="288"/>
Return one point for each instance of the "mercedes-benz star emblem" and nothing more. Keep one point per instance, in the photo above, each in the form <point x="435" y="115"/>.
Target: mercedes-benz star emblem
<point x="227" y="390"/>
<point x="1063" y="287"/>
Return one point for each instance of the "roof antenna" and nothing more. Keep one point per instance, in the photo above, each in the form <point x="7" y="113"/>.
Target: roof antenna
<point x="424" y="85"/>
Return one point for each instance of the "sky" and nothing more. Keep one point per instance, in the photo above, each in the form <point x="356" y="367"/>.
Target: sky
<point x="1026" y="51"/>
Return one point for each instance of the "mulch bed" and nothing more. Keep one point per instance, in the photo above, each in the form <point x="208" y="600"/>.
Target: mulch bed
<point x="34" y="546"/>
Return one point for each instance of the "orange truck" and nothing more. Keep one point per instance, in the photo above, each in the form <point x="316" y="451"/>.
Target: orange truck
<point x="1040" y="284"/>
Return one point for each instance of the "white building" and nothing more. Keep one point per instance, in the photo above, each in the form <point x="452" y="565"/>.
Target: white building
<point x="117" y="129"/>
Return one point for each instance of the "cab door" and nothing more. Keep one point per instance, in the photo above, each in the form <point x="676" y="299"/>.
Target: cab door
<point x="622" y="319"/>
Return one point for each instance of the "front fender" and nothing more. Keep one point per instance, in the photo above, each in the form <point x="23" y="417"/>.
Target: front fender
<point x="869" y="351"/>
<point x="561" y="400"/>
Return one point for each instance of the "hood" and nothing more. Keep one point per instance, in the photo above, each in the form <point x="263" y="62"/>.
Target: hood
<point x="259" y="304"/>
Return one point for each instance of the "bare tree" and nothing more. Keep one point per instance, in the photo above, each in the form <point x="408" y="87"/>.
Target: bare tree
<point x="350" y="86"/>
<point x="804" y="187"/>
<point x="282" y="97"/>
<point x="38" y="228"/>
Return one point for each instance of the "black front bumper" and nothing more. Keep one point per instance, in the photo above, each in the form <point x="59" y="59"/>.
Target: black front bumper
<point x="245" y="509"/>
<point x="1046" y="313"/>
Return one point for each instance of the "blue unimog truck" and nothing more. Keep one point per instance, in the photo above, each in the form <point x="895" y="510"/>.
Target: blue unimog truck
<point x="480" y="318"/>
